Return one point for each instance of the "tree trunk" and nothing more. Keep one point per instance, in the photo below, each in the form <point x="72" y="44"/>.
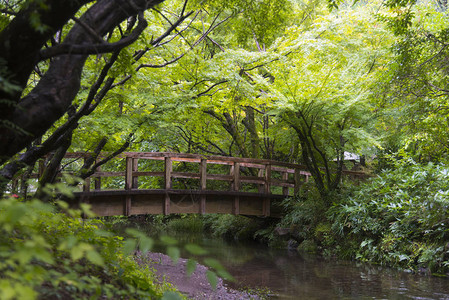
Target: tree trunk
<point x="50" y="99"/>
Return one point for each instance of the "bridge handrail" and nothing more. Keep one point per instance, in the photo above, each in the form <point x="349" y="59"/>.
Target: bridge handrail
<point x="236" y="177"/>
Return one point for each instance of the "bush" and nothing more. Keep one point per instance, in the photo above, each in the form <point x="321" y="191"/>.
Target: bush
<point x="51" y="255"/>
<point x="400" y="218"/>
<point x="232" y="227"/>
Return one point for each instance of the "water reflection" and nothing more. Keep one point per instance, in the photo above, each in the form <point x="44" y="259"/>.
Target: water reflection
<point x="293" y="276"/>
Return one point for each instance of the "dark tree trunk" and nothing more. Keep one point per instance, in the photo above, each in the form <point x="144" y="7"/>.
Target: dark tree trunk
<point x="53" y="167"/>
<point x="49" y="100"/>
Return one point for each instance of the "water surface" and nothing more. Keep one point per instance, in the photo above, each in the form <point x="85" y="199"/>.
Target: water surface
<point x="290" y="275"/>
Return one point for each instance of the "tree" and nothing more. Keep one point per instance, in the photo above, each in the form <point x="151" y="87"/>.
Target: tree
<point x="414" y="91"/>
<point x="322" y="86"/>
<point x="61" y="47"/>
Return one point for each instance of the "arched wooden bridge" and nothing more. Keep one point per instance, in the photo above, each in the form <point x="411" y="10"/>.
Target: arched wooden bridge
<point x="222" y="185"/>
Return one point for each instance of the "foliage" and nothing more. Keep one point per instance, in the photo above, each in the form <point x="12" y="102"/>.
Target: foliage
<point x="304" y="215"/>
<point x="232" y="227"/>
<point x="413" y="96"/>
<point x="322" y="88"/>
<point x="186" y="223"/>
<point x="47" y="254"/>
<point x="399" y="218"/>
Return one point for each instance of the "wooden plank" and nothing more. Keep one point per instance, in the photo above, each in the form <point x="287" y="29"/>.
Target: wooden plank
<point x="97" y="180"/>
<point x="135" y="183"/>
<point x="129" y="173"/>
<point x="145" y="173"/>
<point x="86" y="185"/>
<point x="285" y="188"/>
<point x="267" y="189"/>
<point x="220" y="177"/>
<point x="266" y="207"/>
<point x="283" y="169"/>
<point x="236" y="206"/>
<point x="250" y="206"/>
<point x="252" y="165"/>
<point x="167" y="204"/>
<point x="286" y="184"/>
<point x="252" y="179"/>
<point x="185" y="175"/>
<point x="147" y="204"/>
<point x="195" y="158"/>
<point x="127" y="209"/>
<point x="168" y="171"/>
<point x="109" y="174"/>
<point x="236" y="187"/>
<point x="298" y="182"/>
<point x="203" y="184"/>
<point x="236" y="177"/>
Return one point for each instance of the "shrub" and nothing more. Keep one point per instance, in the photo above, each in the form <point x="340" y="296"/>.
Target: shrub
<point x="400" y="218"/>
<point x="52" y="255"/>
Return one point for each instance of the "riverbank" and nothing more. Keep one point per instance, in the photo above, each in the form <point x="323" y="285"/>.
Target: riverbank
<point x="195" y="286"/>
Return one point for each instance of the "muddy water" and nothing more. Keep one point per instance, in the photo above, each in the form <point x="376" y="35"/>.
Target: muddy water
<point x="290" y="275"/>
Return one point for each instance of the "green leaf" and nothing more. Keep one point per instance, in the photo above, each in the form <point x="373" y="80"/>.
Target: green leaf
<point x="95" y="258"/>
<point x="169" y="295"/>
<point x="212" y="278"/>
<point x="225" y="275"/>
<point x="168" y="241"/>
<point x="135" y="233"/>
<point x="174" y="253"/>
<point x="146" y="244"/>
<point x="195" y="249"/>
<point x="104" y="233"/>
<point x="213" y="263"/>
<point x="129" y="245"/>
<point x="190" y="266"/>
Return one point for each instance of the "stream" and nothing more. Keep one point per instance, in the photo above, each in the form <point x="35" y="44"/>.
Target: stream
<point x="289" y="275"/>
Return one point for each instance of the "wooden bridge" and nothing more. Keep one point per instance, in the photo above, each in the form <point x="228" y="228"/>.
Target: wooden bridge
<point x="211" y="184"/>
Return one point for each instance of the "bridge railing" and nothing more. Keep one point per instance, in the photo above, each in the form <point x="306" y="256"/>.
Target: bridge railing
<point x="288" y="176"/>
<point x="267" y="177"/>
<point x="242" y="177"/>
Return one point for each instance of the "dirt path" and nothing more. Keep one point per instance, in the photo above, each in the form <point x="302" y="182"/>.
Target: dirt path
<point x="195" y="286"/>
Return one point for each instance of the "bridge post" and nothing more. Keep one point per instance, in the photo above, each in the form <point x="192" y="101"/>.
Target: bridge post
<point x="236" y="187"/>
<point x="86" y="185"/>
<point x="168" y="184"/>
<point x="285" y="188"/>
<point x="298" y="182"/>
<point x="260" y="174"/>
<point x="203" y="183"/>
<point x="128" y="184"/>
<point x="135" y="183"/>
<point x="267" y="191"/>
<point x="97" y="180"/>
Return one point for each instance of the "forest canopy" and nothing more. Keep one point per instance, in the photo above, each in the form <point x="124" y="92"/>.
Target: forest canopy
<point x="294" y="81"/>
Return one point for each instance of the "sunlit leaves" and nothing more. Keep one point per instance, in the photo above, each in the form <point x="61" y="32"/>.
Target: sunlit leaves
<point x="415" y="89"/>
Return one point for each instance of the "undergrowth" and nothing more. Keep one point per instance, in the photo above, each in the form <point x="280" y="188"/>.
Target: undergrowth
<point x="47" y="254"/>
<point x="398" y="219"/>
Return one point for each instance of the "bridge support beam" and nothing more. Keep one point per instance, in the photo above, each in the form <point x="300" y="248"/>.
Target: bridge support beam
<point x="235" y="170"/>
<point x="236" y="206"/>
<point x="168" y="184"/>
<point x="266" y="201"/>
<point x="203" y="184"/>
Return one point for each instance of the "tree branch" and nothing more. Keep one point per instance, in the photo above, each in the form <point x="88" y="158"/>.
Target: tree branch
<point x="96" y="48"/>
